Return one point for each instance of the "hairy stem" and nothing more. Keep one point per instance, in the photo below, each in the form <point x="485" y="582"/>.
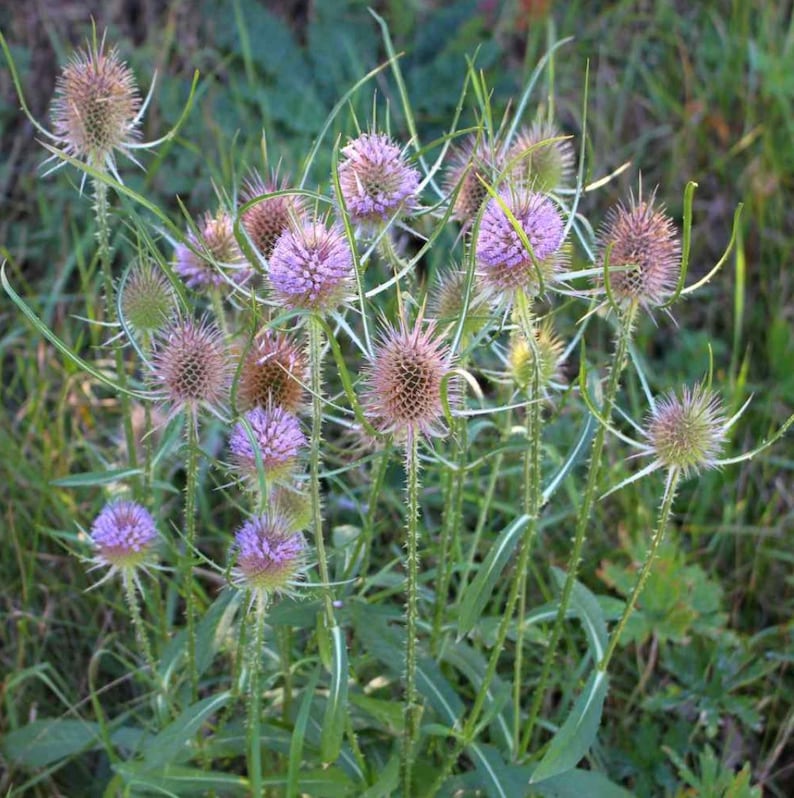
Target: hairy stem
<point x="315" y="364"/>
<point x="532" y="495"/>
<point x="133" y="605"/>
<point x="412" y="710"/>
<point x="191" y="487"/>
<point x="101" y="212"/>
<point x="453" y="511"/>
<point x="254" y="696"/>
<point x="664" y="517"/>
<point x="625" y="330"/>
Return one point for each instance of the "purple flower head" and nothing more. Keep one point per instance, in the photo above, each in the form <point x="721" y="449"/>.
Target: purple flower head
<point x="645" y="254"/>
<point x="311" y="268"/>
<point x="270" y="554"/>
<point x="470" y="163"/>
<point x="278" y="436"/>
<point x="218" y="248"/>
<point x="506" y="265"/>
<point x="123" y="535"/>
<point x="376" y="181"/>
<point x="687" y="431"/>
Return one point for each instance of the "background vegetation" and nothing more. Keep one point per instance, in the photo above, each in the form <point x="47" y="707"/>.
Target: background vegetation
<point x="683" y="91"/>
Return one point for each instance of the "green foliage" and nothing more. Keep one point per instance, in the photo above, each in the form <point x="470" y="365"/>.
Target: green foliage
<point x="704" y="664"/>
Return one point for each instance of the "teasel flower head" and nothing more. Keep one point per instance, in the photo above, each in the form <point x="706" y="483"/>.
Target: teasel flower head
<point x="277" y="439"/>
<point x="271" y="555"/>
<point x="404" y="381"/>
<point x="376" y="180"/>
<point x="147" y="299"/>
<point x="687" y="431"/>
<point x="505" y="264"/>
<point x="538" y="162"/>
<point x="97" y="107"/>
<point x="447" y="299"/>
<point x="645" y="256"/>
<point x="546" y="352"/>
<point x="273" y="373"/>
<point x="472" y="164"/>
<point x="191" y="367"/>
<point x="212" y="257"/>
<point x="266" y="220"/>
<point x="311" y="267"/>
<point x="123" y="536"/>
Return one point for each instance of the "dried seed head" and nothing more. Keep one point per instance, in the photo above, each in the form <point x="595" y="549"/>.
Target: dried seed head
<point x="687" y="432"/>
<point x="273" y="373"/>
<point x="646" y="247"/>
<point x="191" y="365"/>
<point x="96" y="106"/>
<point x="547" y="352"/>
<point x="219" y="253"/>
<point x="538" y="163"/>
<point x="147" y="299"/>
<point x="311" y="268"/>
<point x="268" y="219"/>
<point x="404" y="381"/>
<point x="375" y="180"/>
<point x="123" y="535"/>
<point x="278" y="438"/>
<point x="446" y="302"/>
<point x="506" y="266"/>
<point x="470" y="164"/>
<point x="270" y="555"/>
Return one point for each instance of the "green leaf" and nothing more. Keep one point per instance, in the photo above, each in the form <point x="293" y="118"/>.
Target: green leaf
<point x="586" y="606"/>
<point x="180" y="780"/>
<point x="479" y="591"/>
<point x="89" y="478"/>
<point x="577" y="783"/>
<point x="47" y="740"/>
<point x="388" y="782"/>
<point x="47" y="333"/>
<point x="174" y="742"/>
<point x="299" y="734"/>
<point x="499" y="779"/>
<point x="336" y="710"/>
<point x="214" y="627"/>
<point x="574" y="738"/>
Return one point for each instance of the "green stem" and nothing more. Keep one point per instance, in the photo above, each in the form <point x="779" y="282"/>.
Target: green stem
<point x="255" y="698"/>
<point x="137" y="621"/>
<point x="532" y="495"/>
<point x="625" y="330"/>
<point x="412" y="710"/>
<point x="372" y="508"/>
<point x="453" y="511"/>
<point x="496" y="470"/>
<point x="664" y="517"/>
<point x="101" y="212"/>
<point x="470" y="727"/>
<point x="191" y="486"/>
<point x="315" y="364"/>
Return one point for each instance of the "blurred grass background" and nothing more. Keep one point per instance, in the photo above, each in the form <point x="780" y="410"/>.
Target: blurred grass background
<point x="684" y="91"/>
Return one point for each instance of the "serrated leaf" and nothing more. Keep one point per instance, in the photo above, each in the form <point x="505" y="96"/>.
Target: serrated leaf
<point x="174" y="742"/>
<point x="478" y="593"/>
<point x="336" y="710"/>
<point x="574" y="738"/>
